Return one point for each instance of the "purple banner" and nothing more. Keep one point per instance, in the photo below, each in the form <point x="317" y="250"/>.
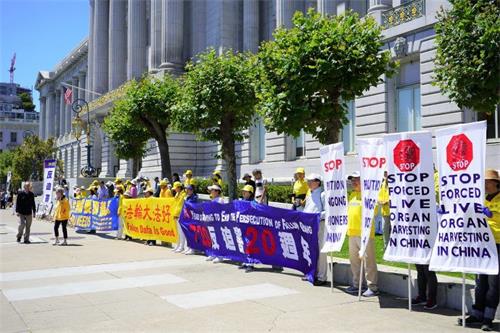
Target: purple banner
<point x="252" y="233"/>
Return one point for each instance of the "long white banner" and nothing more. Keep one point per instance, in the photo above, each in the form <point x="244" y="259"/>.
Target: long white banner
<point x="332" y="162"/>
<point x="49" y="173"/>
<point x="464" y="240"/>
<point x="373" y="163"/>
<point x="410" y="182"/>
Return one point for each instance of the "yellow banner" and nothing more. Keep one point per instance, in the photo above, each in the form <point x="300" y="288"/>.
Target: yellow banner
<point x="150" y="218"/>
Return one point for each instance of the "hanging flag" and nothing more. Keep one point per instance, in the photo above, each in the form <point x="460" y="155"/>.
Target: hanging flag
<point x="410" y="183"/>
<point x="68" y="94"/>
<point x="464" y="240"/>
<point x="333" y="166"/>
<point x="373" y="163"/>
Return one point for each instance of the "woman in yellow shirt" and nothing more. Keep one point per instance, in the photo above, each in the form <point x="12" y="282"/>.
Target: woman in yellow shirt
<point x="300" y="189"/>
<point x="487" y="286"/>
<point x="165" y="192"/>
<point x="61" y="216"/>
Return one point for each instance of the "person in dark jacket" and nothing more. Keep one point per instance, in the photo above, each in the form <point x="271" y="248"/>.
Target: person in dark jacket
<point x="26" y="210"/>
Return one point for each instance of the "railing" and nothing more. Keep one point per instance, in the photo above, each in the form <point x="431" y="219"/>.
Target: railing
<point x="402" y="14"/>
<point x="22" y="117"/>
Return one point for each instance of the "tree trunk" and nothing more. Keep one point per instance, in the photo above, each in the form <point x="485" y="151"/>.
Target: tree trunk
<point x="166" y="168"/>
<point x="333" y="127"/>
<point x="229" y="154"/>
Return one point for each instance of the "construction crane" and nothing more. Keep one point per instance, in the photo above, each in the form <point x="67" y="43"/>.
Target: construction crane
<point x="12" y="68"/>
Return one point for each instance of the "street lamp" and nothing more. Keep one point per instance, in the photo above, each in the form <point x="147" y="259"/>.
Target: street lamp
<point x="78" y="127"/>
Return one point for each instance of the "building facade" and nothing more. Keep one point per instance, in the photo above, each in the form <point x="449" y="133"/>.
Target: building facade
<point x="15" y="122"/>
<point x="128" y="38"/>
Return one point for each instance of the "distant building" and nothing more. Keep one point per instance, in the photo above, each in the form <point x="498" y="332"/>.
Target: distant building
<point x="128" y="39"/>
<point x="15" y="122"/>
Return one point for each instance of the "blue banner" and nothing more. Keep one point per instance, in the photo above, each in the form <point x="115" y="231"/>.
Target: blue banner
<point x="252" y="233"/>
<point x="100" y="215"/>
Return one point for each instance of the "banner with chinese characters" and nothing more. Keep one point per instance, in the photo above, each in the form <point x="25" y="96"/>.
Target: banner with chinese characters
<point x="100" y="215"/>
<point x="150" y="218"/>
<point x="410" y="183"/>
<point x="464" y="240"/>
<point x="49" y="172"/>
<point x="252" y="233"/>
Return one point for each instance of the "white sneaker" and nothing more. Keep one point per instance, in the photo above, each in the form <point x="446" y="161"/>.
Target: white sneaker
<point x="64" y="243"/>
<point x="56" y="242"/>
<point x="217" y="260"/>
<point x="210" y="258"/>
<point x="370" y="293"/>
<point x="189" y="252"/>
<point x="179" y="250"/>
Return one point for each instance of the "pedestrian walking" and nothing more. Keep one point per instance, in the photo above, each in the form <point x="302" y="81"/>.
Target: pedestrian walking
<point x="26" y="211"/>
<point x="61" y="216"/>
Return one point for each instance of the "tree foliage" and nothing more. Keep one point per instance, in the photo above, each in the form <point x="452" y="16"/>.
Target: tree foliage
<point x="144" y="113"/>
<point x="468" y="53"/>
<point x="29" y="157"/>
<point x="309" y="71"/>
<point x="6" y="159"/>
<point x="218" y="100"/>
<point x="27" y="101"/>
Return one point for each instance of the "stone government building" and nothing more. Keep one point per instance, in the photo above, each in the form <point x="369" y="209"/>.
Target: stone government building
<point x="128" y="38"/>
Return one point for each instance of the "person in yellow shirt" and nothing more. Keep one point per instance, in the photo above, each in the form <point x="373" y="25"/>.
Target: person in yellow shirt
<point x="487" y="286"/>
<point x="300" y="189"/>
<point x="179" y="202"/>
<point x="354" y="217"/>
<point x="189" y="179"/>
<point x="165" y="192"/>
<point x="61" y="216"/>
<point x="383" y="209"/>
<point x="217" y="178"/>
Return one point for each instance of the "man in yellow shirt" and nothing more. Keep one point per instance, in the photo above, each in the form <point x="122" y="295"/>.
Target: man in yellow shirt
<point x="487" y="286"/>
<point x="189" y="180"/>
<point x="165" y="192"/>
<point x="300" y="189"/>
<point x="354" y="217"/>
<point x="61" y="216"/>
<point x="179" y="202"/>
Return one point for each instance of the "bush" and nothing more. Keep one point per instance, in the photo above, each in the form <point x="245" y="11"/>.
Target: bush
<point x="277" y="193"/>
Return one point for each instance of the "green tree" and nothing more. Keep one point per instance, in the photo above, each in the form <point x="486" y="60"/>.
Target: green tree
<point x="29" y="157"/>
<point x="218" y="103"/>
<point x="144" y="113"/>
<point x="27" y="101"/>
<point x="6" y="159"/>
<point x="468" y="53"/>
<point x="309" y="71"/>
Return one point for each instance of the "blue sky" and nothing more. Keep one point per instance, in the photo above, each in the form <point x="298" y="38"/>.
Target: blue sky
<point x="41" y="32"/>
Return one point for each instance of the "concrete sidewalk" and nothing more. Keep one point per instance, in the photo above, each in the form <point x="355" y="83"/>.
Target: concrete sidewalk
<point x="101" y="284"/>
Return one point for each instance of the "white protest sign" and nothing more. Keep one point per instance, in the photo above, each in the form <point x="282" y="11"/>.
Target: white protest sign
<point x="410" y="183"/>
<point x="333" y="166"/>
<point x="49" y="171"/>
<point x="373" y="163"/>
<point x="464" y="240"/>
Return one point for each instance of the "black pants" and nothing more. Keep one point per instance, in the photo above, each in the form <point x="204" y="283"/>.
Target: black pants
<point x="427" y="283"/>
<point x="64" y="229"/>
<point x="486" y="294"/>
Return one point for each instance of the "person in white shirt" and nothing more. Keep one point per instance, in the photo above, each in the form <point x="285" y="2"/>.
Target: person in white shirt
<point x="216" y="195"/>
<point x="260" y="187"/>
<point x="315" y="203"/>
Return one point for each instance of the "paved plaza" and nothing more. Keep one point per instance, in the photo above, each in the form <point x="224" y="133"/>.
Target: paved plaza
<point x="101" y="284"/>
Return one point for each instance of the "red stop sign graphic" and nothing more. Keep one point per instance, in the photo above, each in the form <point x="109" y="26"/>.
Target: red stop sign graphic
<point x="459" y="152"/>
<point x="406" y="155"/>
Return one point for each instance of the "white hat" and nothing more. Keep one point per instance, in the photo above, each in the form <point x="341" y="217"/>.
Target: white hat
<point x="354" y="174"/>
<point x="313" y="176"/>
<point x="134" y="181"/>
<point x="215" y="187"/>
<point x="109" y="183"/>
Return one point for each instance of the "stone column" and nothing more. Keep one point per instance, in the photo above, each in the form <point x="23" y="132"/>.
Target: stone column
<point x="90" y="53"/>
<point x="107" y="158"/>
<point x="41" y="120"/>
<point x="377" y="7"/>
<point x="172" y="35"/>
<point x="100" y="47"/>
<point x="57" y="113"/>
<point x="285" y="10"/>
<point x="82" y="78"/>
<point x="50" y="113"/>
<point x="251" y="25"/>
<point x="198" y="27"/>
<point x="117" y="43"/>
<point x="155" y="28"/>
<point x="62" y="116"/>
<point x="126" y="168"/>
<point x="70" y="113"/>
<point x="137" y="39"/>
<point x="327" y="7"/>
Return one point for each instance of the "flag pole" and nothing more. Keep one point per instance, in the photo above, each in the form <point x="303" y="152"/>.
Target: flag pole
<point x="361" y="278"/>
<point x="409" y="287"/>
<point x="463" y="299"/>
<point x="78" y="88"/>
<point x="331" y="268"/>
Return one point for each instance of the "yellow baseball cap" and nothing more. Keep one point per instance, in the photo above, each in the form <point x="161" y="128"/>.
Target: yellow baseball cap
<point x="217" y="172"/>
<point x="177" y="184"/>
<point x="189" y="172"/>
<point x="300" y="170"/>
<point x="248" y="188"/>
<point x="163" y="183"/>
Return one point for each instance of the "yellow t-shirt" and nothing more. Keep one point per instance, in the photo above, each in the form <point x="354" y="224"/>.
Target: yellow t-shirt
<point x="383" y="196"/>
<point x="300" y="188"/>
<point x="494" y="221"/>
<point x="188" y="181"/>
<point x="179" y="202"/>
<point x="354" y="216"/>
<point x="62" y="210"/>
<point x="436" y="186"/>
<point x="166" y="193"/>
